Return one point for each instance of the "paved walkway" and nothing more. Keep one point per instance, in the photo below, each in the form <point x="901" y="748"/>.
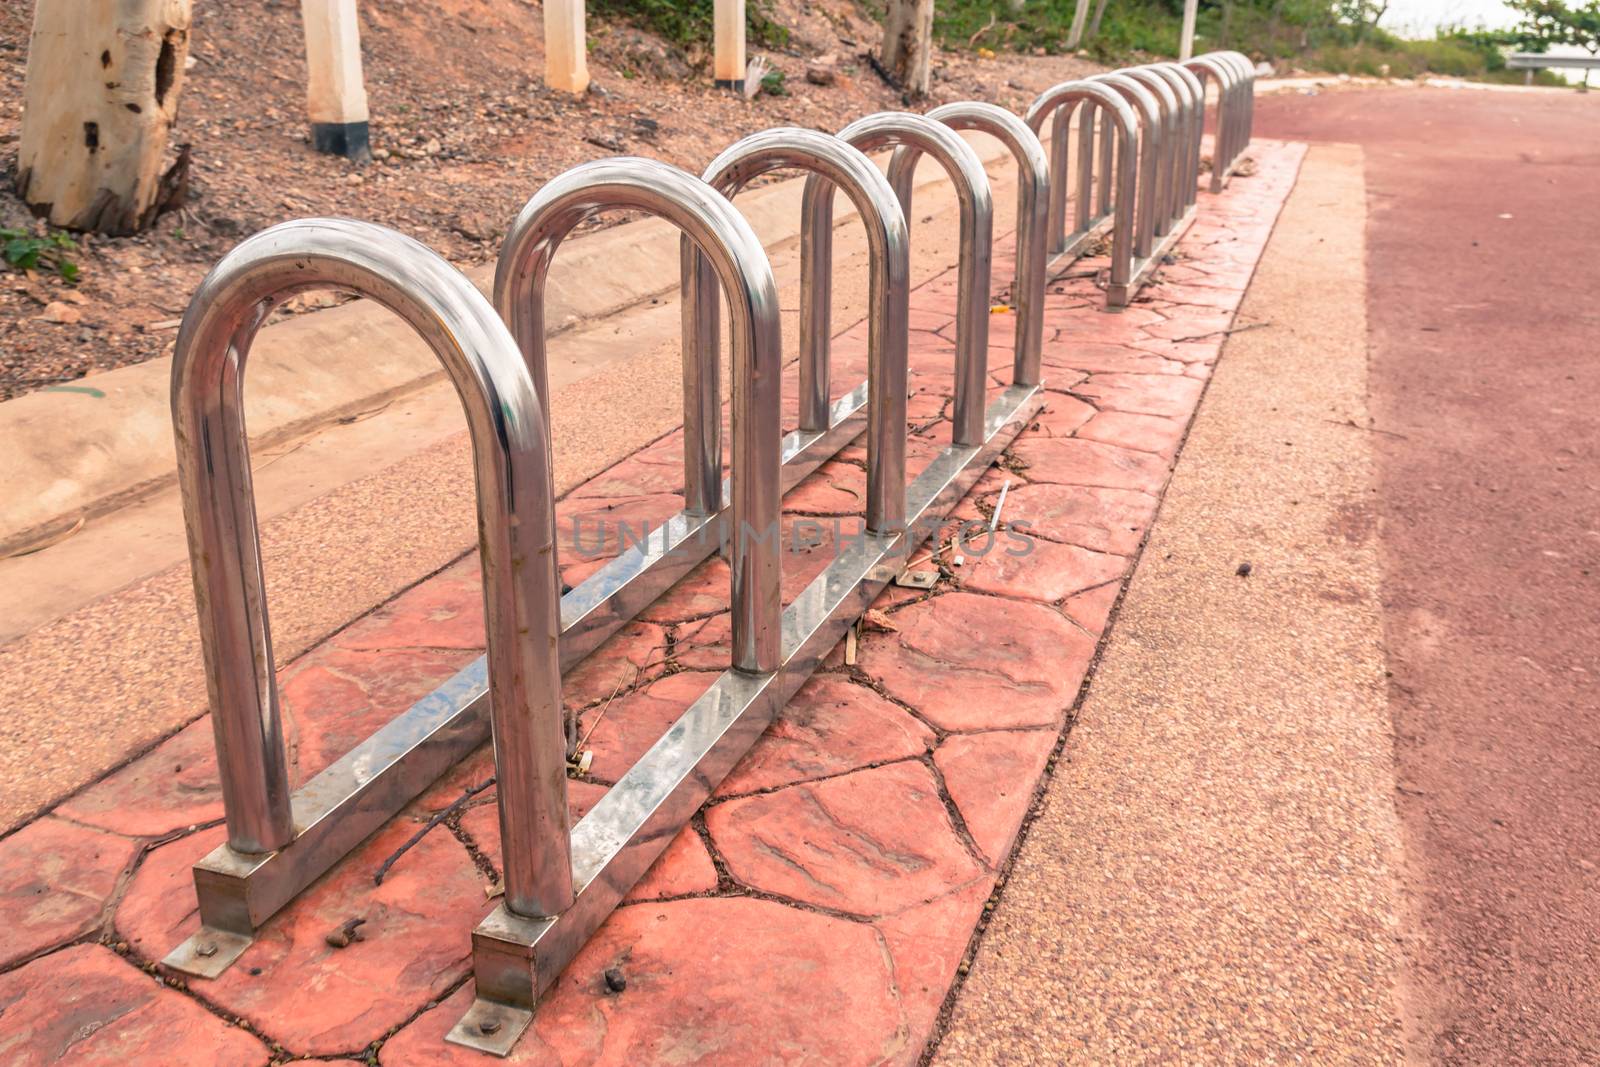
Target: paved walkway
<point x="1210" y="878"/>
<point x="1484" y="330"/>
<point x="820" y="906"/>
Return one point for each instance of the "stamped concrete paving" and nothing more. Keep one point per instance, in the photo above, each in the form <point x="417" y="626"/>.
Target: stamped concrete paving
<point x="838" y="873"/>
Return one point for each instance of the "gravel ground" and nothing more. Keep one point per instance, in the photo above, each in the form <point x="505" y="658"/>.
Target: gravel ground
<point x="465" y="127"/>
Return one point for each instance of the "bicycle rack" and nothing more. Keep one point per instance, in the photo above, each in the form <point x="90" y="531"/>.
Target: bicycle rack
<point x="1160" y="115"/>
<point x="1235" y="78"/>
<point x="1119" y="129"/>
<point x="877" y="404"/>
<point x="1182" y="154"/>
<point x="518" y="952"/>
<point x="560" y="885"/>
<point x="1033" y="206"/>
<point x="894" y="129"/>
<point x="279" y="843"/>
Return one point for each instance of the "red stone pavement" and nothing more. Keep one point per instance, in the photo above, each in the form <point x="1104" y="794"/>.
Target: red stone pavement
<point x="819" y="906"/>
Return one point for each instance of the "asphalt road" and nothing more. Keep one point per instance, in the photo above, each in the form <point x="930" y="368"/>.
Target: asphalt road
<point x="1484" y="331"/>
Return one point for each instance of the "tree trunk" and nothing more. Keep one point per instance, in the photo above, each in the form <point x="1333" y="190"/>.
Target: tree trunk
<point x="908" y="44"/>
<point x="1080" y="19"/>
<point x="101" y="93"/>
<point x="1094" y="23"/>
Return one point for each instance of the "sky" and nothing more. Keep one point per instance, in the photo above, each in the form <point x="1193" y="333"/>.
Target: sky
<point x="1419" y="18"/>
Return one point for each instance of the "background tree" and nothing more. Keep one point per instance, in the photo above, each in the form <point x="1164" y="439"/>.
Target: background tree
<point x="101" y="93"/>
<point x="908" y="44"/>
<point x="1546" y="23"/>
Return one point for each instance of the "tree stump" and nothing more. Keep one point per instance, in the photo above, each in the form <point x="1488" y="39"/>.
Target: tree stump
<point x="101" y="93"/>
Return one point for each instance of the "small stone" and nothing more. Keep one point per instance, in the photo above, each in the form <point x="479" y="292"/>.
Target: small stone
<point x="432" y="147"/>
<point x="821" y="71"/>
<point x="1244" y="569"/>
<point x="616" y="981"/>
<point x="56" y="311"/>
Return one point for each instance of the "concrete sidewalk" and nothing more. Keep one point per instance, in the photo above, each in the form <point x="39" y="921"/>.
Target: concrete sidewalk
<point x="1211" y="876"/>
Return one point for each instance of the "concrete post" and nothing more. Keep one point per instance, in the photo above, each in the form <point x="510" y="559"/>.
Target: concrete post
<point x="1186" y="42"/>
<point x="566" y="58"/>
<point x="729" y="60"/>
<point x="336" y="94"/>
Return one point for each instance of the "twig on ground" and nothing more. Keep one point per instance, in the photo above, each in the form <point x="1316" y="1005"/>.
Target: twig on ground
<point x="438" y="817"/>
<point x="1230" y="331"/>
<point x="982" y="30"/>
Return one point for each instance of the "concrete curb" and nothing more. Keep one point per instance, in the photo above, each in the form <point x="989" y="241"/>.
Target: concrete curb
<point x="81" y="454"/>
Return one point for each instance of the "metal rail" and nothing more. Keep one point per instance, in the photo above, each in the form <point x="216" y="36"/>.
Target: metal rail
<point x="1235" y="77"/>
<point x="516" y="955"/>
<point x="278" y="842"/>
<point x="882" y="404"/>
<point x="894" y="129"/>
<point x="1117" y="119"/>
<point x="1033" y="206"/>
<point x="561" y="884"/>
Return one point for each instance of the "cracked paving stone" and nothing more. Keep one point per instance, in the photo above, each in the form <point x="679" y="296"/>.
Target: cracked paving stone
<point x="717" y="982"/>
<point x="1076" y="461"/>
<point x="830" y="726"/>
<point x="317" y="999"/>
<point x="991" y="777"/>
<point x="172" y="787"/>
<point x="839" y="844"/>
<point x="1172" y="395"/>
<point x="89" y="1007"/>
<point x="55" y="879"/>
<point x="1105" y="520"/>
<point x="970" y="662"/>
<point x="1029" y="568"/>
<point x="1144" y="433"/>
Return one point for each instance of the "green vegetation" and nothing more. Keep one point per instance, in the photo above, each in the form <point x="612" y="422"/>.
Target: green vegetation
<point x="1335" y="36"/>
<point x="687" y="22"/>
<point x="1552" y="22"/>
<point x="772" y="83"/>
<point x="24" y="251"/>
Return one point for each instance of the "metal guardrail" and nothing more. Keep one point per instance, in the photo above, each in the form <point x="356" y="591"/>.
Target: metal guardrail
<point x="561" y="882"/>
<point x="1543" y="61"/>
<point x="1532" y="61"/>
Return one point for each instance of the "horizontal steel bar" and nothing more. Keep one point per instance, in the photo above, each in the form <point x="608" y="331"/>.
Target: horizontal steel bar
<point x="1079" y="242"/>
<point x="1539" y="61"/>
<point x="515" y="959"/>
<point x="358" y="793"/>
<point x="1119" y="295"/>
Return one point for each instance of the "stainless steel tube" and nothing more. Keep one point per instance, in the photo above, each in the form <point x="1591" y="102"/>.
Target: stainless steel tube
<point x="515" y="514"/>
<point x="1197" y="121"/>
<point x="1179" y="82"/>
<point x="1171" y="124"/>
<point x="726" y="239"/>
<point x="1033" y="205"/>
<point x="892" y="129"/>
<point x="1226" y="78"/>
<point x="1247" y="99"/>
<point x="889" y="291"/>
<point x="1151" y="146"/>
<point x="1117" y="114"/>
